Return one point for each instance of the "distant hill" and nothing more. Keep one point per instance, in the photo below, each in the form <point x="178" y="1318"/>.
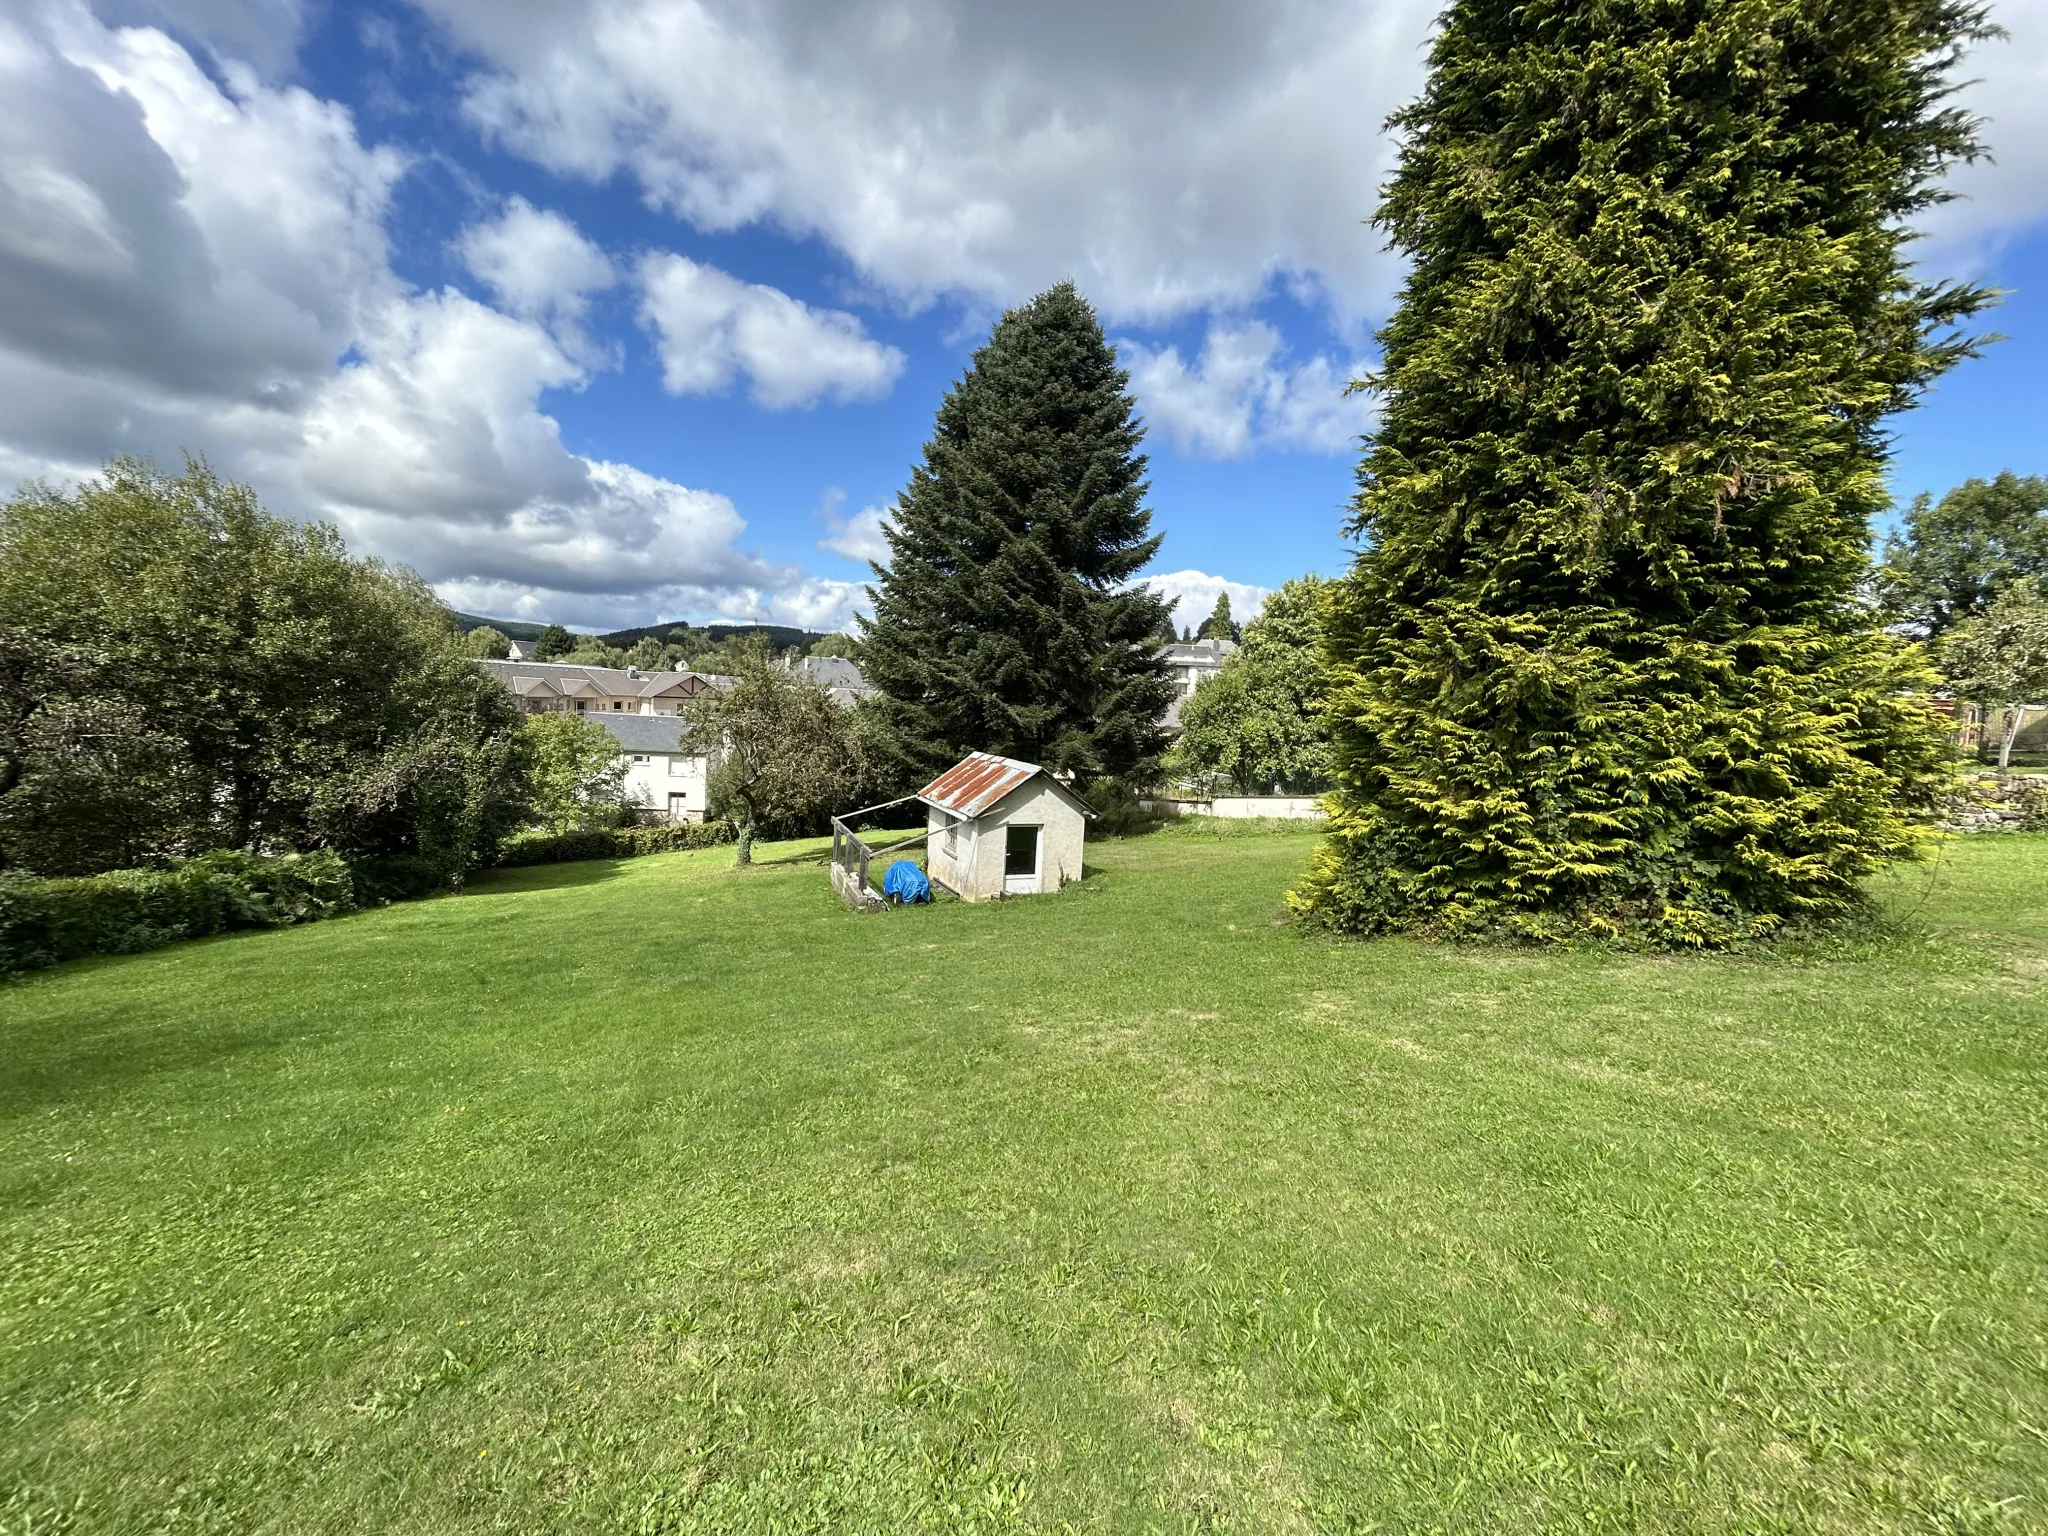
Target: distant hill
<point x="781" y="636"/>
<point x="511" y="629"/>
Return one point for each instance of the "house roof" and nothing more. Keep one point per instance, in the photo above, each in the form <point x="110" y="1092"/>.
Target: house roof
<point x="1198" y="653"/>
<point x="972" y="786"/>
<point x="524" y="677"/>
<point x="644" y="733"/>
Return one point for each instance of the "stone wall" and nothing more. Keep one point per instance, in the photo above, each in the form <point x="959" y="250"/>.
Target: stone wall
<point x="2018" y="802"/>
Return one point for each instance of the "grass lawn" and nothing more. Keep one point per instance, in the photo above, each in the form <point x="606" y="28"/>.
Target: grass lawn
<point x="660" y="1197"/>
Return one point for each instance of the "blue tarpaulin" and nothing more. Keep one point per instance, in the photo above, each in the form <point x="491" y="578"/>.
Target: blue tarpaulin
<point x="906" y="883"/>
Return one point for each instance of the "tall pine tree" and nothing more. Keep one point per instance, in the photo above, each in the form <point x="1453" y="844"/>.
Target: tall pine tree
<point x="1003" y="622"/>
<point x="1600" y="665"/>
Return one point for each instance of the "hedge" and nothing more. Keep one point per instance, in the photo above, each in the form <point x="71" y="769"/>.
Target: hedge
<point x="524" y="848"/>
<point x="44" y="921"/>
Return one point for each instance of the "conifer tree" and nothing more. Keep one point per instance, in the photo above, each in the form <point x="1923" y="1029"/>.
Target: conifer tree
<point x="1004" y="621"/>
<point x="1219" y="625"/>
<point x="1600" y="666"/>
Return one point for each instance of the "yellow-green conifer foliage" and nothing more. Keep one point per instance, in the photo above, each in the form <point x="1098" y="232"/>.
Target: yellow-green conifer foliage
<point x="1600" y="665"/>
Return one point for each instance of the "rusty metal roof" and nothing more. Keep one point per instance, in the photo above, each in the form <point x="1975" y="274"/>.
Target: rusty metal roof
<point x="975" y="783"/>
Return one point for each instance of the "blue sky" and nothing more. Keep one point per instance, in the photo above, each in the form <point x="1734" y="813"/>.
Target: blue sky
<point x="612" y="311"/>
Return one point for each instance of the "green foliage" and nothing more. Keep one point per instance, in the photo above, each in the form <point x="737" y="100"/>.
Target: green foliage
<point x="1258" y="724"/>
<point x="835" y="645"/>
<point x="486" y="642"/>
<point x="575" y="774"/>
<point x="648" y="654"/>
<point x="1003" y="622"/>
<point x="1999" y="657"/>
<point x="191" y="673"/>
<point x="593" y="653"/>
<point x="1601" y="666"/>
<point x="779" y="747"/>
<point x="554" y="643"/>
<point x="1219" y="625"/>
<point x="728" y="656"/>
<point x="44" y="921"/>
<point x="544" y="847"/>
<point x="1163" y="632"/>
<point x="1959" y="553"/>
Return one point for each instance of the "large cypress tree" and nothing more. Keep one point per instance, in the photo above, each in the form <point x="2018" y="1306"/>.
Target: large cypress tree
<point x="1003" y="622"/>
<point x="1601" y="667"/>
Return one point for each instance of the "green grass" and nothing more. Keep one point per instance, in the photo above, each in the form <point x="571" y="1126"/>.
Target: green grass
<point x="660" y="1197"/>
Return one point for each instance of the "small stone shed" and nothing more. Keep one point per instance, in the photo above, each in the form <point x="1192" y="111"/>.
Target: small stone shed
<point x="999" y="827"/>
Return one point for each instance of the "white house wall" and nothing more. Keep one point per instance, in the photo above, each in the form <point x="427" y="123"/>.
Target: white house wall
<point x="974" y="866"/>
<point x="649" y="784"/>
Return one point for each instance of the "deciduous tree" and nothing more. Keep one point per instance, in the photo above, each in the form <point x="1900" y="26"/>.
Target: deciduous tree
<point x="271" y="692"/>
<point x="575" y="772"/>
<point x="1957" y="554"/>
<point x="1258" y="724"/>
<point x="780" y="748"/>
<point x="2000" y="658"/>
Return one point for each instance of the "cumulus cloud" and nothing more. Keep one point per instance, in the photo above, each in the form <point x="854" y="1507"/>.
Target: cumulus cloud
<point x="2008" y="193"/>
<point x="540" y="266"/>
<point x="861" y="536"/>
<point x="192" y="263"/>
<point x="1194" y="593"/>
<point x="711" y="327"/>
<point x="1167" y="159"/>
<point x="126" y="256"/>
<point x="1240" y="394"/>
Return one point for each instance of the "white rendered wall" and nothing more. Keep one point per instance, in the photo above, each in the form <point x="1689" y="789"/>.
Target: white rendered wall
<point x="649" y="784"/>
<point x="975" y="868"/>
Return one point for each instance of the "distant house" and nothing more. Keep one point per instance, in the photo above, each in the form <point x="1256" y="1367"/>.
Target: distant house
<point x="547" y="687"/>
<point x="998" y="827"/>
<point x="838" y="676"/>
<point x="1190" y="664"/>
<point x="663" y="777"/>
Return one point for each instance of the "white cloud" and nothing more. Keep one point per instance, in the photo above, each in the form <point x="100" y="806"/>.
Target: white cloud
<point x="2008" y="193"/>
<point x="191" y="265"/>
<point x="712" y="327"/>
<point x="1239" y="395"/>
<point x="1169" y="158"/>
<point x="861" y="536"/>
<point x="1166" y="160"/>
<point x="1194" y="593"/>
<point x="540" y="267"/>
<point x="263" y="32"/>
<point x="162" y="237"/>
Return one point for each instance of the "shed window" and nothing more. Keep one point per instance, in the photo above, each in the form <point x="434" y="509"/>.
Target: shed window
<point x="1020" y="851"/>
<point x="642" y="757"/>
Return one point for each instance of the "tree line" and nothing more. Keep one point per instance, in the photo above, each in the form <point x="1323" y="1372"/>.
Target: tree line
<point x="183" y="674"/>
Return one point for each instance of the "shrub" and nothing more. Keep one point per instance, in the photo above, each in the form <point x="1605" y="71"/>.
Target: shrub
<point x="544" y="847"/>
<point x="43" y="922"/>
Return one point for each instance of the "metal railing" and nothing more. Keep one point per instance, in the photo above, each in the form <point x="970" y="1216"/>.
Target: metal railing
<point x="851" y="856"/>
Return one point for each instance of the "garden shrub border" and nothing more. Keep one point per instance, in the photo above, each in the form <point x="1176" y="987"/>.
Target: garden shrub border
<point x="46" y="921"/>
<point x="525" y="848"/>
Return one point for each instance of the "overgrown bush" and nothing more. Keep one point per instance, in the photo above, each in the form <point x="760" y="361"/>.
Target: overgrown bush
<point x="45" y="921"/>
<point x="542" y="847"/>
<point x="1118" y="810"/>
